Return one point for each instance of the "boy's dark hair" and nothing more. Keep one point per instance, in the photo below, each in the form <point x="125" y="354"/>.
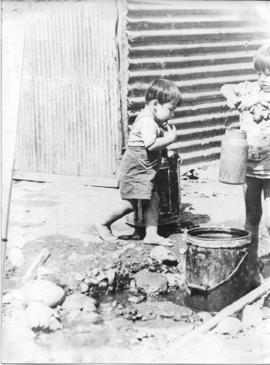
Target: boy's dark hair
<point x="164" y="91"/>
<point x="262" y="58"/>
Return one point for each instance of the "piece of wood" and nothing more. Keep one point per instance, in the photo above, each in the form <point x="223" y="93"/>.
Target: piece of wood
<point x="12" y="63"/>
<point x="39" y="260"/>
<point x="80" y="180"/>
<point x="231" y="309"/>
<point x="13" y="31"/>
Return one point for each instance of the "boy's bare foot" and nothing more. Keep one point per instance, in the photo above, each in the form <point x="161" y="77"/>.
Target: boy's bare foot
<point x="158" y="240"/>
<point x="105" y="233"/>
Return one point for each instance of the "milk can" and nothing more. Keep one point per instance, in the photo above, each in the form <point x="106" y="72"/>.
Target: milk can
<point x="233" y="159"/>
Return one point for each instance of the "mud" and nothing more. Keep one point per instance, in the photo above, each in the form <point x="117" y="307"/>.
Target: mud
<point x="129" y="320"/>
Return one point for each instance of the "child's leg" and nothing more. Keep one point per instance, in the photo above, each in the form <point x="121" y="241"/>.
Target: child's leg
<point x="151" y="223"/>
<point x="253" y="200"/>
<point x="266" y="190"/>
<point x="118" y="211"/>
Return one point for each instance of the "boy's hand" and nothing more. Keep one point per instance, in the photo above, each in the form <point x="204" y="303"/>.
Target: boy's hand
<point x="248" y="102"/>
<point x="171" y="133"/>
<point x="233" y="103"/>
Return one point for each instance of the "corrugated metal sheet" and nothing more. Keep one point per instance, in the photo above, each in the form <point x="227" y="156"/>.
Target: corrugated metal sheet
<point x="69" y="117"/>
<point x="200" y="45"/>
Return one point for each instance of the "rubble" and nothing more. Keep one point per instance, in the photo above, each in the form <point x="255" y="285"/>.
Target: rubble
<point x="152" y="310"/>
<point x="102" y="297"/>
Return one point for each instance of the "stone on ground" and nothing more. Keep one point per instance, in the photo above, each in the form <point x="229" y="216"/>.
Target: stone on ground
<point x="162" y="254"/>
<point x="41" y="316"/>
<point x="79" y="302"/>
<point x="150" y="282"/>
<point x="229" y="326"/>
<point x="43" y="291"/>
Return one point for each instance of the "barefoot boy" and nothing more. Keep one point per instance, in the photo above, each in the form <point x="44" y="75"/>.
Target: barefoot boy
<point x="252" y="99"/>
<point x="150" y="134"/>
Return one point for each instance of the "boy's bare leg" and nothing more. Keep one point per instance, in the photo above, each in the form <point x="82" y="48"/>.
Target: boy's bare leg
<point x="267" y="205"/>
<point x="104" y="225"/>
<point x="253" y="192"/>
<point x="151" y="223"/>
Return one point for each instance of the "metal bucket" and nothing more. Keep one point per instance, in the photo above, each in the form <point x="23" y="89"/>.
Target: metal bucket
<point x="216" y="267"/>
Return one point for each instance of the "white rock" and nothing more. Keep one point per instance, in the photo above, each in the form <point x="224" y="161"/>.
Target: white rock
<point x="79" y="302"/>
<point x="83" y="287"/>
<point x="252" y="316"/>
<point x="161" y="254"/>
<point x="39" y="315"/>
<point x="43" y="291"/>
<point x="204" y="316"/>
<point x="16" y="257"/>
<point x="111" y="276"/>
<point x="229" y="326"/>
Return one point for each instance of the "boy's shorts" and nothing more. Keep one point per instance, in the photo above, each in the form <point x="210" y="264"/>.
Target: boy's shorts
<point x="138" y="173"/>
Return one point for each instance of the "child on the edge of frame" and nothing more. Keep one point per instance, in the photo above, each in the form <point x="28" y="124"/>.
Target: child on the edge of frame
<point x="150" y="133"/>
<point x="252" y="99"/>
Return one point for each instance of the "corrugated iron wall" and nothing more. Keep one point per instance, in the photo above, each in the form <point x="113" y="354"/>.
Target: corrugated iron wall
<point x="69" y="120"/>
<point x="200" y="45"/>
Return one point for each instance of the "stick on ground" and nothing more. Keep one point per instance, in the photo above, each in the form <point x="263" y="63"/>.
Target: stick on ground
<point x="39" y="260"/>
<point x="231" y="309"/>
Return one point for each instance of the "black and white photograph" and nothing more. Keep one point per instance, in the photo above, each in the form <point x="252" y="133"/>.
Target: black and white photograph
<point x="135" y="182"/>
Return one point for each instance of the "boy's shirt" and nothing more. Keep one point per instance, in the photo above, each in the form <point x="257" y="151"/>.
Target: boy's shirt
<point x="258" y="134"/>
<point x="145" y="130"/>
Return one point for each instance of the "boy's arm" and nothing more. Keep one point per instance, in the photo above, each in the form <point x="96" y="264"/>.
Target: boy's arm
<point x="237" y="96"/>
<point x="169" y="137"/>
<point x="231" y="93"/>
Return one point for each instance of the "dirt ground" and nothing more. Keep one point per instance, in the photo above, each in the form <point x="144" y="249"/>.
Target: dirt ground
<point x="60" y="215"/>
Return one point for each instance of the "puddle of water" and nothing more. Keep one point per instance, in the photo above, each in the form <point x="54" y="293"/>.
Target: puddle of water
<point x="124" y="298"/>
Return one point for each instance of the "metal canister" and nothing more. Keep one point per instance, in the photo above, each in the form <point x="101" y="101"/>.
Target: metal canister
<point x="233" y="159"/>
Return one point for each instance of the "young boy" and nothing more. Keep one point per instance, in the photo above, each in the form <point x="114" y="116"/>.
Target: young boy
<point x="252" y="99"/>
<point x="150" y="133"/>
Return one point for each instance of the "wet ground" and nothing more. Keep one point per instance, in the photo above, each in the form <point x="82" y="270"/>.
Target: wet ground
<point x="138" y="312"/>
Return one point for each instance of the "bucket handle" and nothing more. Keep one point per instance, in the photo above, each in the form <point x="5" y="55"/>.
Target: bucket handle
<point x="205" y="290"/>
